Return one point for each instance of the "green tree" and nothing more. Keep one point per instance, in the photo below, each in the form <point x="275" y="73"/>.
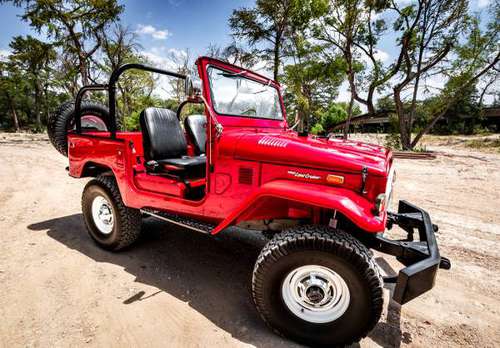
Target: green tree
<point x="351" y="30"/>
<point x="428" y="30"/>
<point x="183" y="65"/>
<point x="270" y="26"/>
<point x="311" y="82"/>
<point x="329" y="118"/>
<point x="9" y="82"/>
<point x="120" y="46"/>
<point x="75" y="26"/>
<point x="34" y="58"/>
<point x="233" y="53"/>
<point x="472" y="60"/>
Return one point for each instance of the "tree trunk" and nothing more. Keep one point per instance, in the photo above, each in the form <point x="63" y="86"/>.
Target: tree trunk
<point x="349" y="117"/>
<point x="276" y="56"/>
<point x="411" y="117"/>
<point x="15" y="119"/>
<point x="404" y="130"/>
<point x="352" y="85"/>
<point x="125" y="101"/>
<point x="46" y="102"/>
<point x="428" y="128"/>
<point x="37" y="104"/>
<point x="369" y="102"/>
<point x="453" y="98"/>
<point x="83" y="70"/>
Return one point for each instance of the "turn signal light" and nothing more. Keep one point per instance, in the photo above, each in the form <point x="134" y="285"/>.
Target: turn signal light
<point x="334" y="179"/>
<point x="380" y="203"/>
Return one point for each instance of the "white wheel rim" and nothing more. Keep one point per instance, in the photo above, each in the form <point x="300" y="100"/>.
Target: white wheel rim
<point x="315" y="294"/>
<point x="102" y="214"/>
<point x="93" y="122"/>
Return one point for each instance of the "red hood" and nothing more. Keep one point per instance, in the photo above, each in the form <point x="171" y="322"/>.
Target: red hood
<point x="288" y="148"/>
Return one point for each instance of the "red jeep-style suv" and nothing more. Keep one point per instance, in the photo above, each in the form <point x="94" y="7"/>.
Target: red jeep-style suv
<point x="321" y="201"/>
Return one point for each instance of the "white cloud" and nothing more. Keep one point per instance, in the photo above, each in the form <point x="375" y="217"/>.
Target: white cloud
<point x="483" y="3"/>
<point x="155" y="33"/>
<point x="4" y="54"/>
<point x="175" y="3"/>
<point x="167" y="59"/>
<point x="376" y="15"/>
<point x="379" y="55"/>
<point x="344" y="93"/>
<point x="177" y="55"/>
<point x="158" y="60"/>
<point x="403" y="2"/>
<point x="431" y="85"/>
<point x="263" y="68"/>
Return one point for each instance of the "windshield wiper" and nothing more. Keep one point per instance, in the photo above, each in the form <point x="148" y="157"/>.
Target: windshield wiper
<point x="232" y="75"/>
<point x="261" y="91"/>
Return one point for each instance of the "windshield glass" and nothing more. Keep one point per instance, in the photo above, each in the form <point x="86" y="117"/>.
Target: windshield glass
<point x="233" y="94"/>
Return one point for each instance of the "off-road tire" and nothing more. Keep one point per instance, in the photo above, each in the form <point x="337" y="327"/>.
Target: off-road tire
<point x="323" y="246"/>
<point x="127" y="221"/>
<point x="60" y="121"/>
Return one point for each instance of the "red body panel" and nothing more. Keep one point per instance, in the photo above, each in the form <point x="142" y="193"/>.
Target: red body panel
<point x="355" y="207"/>
<point x="259" y="170"/>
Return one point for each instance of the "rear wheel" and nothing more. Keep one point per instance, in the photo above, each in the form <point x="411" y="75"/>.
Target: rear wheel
<point x="111" y="224"/>
<point x="318" y="286"/>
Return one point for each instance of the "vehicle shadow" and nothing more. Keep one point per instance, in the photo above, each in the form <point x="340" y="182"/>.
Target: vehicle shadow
<point x="212" y="274"/>
<point x="388" y="332"/>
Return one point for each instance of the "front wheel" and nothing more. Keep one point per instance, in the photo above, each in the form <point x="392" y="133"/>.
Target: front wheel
<point x="318" y="286"/>
<point x="111" y="224"/>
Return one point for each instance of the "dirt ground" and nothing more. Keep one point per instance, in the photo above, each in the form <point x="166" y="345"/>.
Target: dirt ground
<point x="181" y="288"/>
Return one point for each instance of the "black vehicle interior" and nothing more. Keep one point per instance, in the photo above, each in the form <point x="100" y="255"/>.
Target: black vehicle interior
<point x="195" y="126"/>
<point x="165" y="145"/>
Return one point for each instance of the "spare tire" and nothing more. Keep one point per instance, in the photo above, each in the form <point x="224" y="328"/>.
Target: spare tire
<point x="95" y="117"/>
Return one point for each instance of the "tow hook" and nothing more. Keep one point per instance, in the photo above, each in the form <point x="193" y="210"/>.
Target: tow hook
<point x="445" y="263"/>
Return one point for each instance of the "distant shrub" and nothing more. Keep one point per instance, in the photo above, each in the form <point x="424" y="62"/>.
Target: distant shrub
<point x="487" y="143"/>
<point x="393" y="141"/>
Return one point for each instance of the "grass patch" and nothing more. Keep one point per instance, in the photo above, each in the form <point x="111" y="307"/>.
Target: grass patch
<point x="487" y="143"/>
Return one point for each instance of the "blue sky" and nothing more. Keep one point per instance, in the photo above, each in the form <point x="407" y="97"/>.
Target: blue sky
<point x="177" y="24"/>
<point x="171" y="27"/>
<point x="170" y="24"/>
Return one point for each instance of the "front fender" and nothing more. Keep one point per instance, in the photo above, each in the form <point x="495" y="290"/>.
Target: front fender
<point x="355" y="207"/>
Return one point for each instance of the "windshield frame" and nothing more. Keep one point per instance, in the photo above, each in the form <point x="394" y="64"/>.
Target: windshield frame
<point x="243" y="75"/>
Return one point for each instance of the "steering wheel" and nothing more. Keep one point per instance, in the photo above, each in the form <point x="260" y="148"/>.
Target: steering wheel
<point x="250" y="111"/>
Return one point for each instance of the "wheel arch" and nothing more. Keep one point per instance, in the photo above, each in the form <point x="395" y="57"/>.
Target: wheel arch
<point x="273" y="197"/>
<point x="94" y="169"/>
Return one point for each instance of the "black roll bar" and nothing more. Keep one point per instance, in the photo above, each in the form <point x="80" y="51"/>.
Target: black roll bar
<point x="78" y="103"/>
<point x="111" y="87"/>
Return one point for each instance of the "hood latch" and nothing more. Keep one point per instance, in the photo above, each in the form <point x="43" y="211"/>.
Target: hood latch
<point x="364" y="175"/>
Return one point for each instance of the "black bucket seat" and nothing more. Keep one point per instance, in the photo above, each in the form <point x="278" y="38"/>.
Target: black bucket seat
<point x="165" y="146"/>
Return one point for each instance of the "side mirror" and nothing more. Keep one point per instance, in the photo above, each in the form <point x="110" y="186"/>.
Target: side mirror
<point x="192" y="87"/>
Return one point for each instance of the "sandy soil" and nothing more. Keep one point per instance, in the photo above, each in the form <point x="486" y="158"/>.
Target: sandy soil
<point x="181" y="288"/>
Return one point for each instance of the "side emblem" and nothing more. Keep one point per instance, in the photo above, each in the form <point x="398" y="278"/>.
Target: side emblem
<point x="304" y="175"/>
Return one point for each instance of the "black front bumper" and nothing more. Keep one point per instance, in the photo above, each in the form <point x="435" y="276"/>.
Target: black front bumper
<point x="421" y="258"/>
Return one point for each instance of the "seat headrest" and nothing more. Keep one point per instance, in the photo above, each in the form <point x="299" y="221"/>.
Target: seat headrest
<point x="196" y="128"/>
<point x="162" y="135"/>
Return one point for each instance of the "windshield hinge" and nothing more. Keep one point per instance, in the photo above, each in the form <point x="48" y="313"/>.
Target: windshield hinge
<point x="218" y="130"/>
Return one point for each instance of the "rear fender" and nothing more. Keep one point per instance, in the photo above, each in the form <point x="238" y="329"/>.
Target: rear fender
<point x="93" y="169"/>
<point x="355" y="207"/>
